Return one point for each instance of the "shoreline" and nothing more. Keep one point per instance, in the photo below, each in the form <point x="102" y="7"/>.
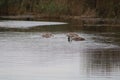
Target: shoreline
<point x="59" y="18"/>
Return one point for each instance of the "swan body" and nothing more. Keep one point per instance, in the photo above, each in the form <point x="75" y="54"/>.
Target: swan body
<point x="75" y="37"/>
<point x="47" y="35"/>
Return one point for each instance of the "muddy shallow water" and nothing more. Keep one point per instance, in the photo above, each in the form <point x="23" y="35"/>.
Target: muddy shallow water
<point x="29" y="56"/>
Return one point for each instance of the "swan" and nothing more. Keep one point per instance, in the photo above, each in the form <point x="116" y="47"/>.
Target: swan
<point x="47" y="35"/>
<point x="78" y="39"/>
<point x="72" y="35"/>
<point x="75" y="37"/>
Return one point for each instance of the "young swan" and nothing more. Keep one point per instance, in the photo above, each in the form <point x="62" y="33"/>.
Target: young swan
<point x="78" y="39"/>
<point x="47" y="35"/>
<point x="72" y="35"/>
<point x="75" y="37"/>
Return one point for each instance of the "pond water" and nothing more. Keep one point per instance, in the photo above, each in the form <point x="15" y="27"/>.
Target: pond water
<point x="26" y="24"/>
<point x="29" y="56"/>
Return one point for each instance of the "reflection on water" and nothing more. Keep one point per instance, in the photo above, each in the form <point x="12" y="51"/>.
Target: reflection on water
<point x="26" y="24"/>
<point x="104" y="61"/>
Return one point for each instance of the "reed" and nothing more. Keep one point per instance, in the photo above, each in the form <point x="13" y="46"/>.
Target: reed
<point x="99" y="8"/>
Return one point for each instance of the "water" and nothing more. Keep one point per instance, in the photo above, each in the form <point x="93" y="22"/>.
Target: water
<point x="26" y="24"/>
<point x="28" y="56"/>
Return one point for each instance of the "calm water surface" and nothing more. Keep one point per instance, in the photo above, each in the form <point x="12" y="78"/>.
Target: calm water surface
<point x="28" y="56"/>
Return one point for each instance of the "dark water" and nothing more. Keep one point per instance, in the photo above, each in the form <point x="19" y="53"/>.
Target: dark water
<point x="28" y="56"/>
